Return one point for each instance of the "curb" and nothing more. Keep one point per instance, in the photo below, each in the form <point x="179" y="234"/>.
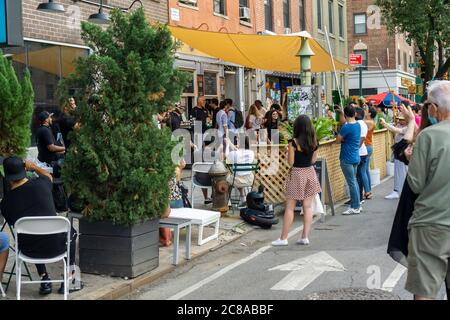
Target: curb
<point x="145" y="279"/>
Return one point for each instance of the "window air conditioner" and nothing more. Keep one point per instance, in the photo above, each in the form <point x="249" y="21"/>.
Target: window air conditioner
<point x="244" y="13"/>
<point x="191" y="2"/>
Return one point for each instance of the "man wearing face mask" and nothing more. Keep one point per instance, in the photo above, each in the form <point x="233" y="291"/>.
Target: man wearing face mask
<point x="429" y="226"/>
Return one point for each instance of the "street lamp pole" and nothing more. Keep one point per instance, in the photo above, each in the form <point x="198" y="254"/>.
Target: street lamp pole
<point x="305" y="53"/>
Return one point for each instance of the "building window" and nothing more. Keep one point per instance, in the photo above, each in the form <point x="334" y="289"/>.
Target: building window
<point x="359" y="22"/>
<point x="287" y="14"/>
<point x="220" y="7"/>
<point x="268" y="7"/>
<point x="405" y="62"/>
<point x="244" y="11"/>
<point x="319" y="14"/>
<point x="301" y="4"/>
<point x="364" y="58"/>
<point x="330" y="16"/>
<point x="399" y="59"/>
<point x="48" y="64"/>
<point x="341" y="21"/>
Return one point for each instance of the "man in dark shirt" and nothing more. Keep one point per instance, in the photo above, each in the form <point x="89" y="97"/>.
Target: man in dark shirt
<point x="33" y="197"/>
<point x="199" y="113"/>
<point x="215" y="109"/>
<point x="48" y="151"/>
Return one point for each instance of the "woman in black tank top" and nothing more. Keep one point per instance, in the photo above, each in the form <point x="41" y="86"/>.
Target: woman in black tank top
<point x="302" y="183"/>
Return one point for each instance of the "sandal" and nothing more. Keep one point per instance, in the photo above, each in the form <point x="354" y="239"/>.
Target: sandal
<point x="368" y="195"/>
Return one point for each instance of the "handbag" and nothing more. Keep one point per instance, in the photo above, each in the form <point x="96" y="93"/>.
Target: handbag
<point x="317" y="206"/>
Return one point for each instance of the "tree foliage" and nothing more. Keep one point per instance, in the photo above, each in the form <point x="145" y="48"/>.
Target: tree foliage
<point x="16" y="109"/>
<point x="424" y="23"/>
<point x="119" y="163"/>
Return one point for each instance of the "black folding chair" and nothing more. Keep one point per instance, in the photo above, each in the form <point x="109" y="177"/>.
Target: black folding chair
<point x="13" y="269"/>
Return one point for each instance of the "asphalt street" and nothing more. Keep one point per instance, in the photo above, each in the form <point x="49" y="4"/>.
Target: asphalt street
<point x="346" y="259"/>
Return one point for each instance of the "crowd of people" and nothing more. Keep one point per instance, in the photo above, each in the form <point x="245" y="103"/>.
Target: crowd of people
<point x="420" y="235"/>
<point x="29" y="191"/>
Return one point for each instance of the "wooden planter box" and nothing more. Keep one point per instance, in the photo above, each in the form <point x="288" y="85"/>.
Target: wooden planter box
<point x="118" y="251"/>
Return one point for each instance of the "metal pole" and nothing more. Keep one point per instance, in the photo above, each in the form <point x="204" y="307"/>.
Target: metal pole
<point x="382" y="72"/>
<point x="360" y="81"/>
<point x="334" y="66"/>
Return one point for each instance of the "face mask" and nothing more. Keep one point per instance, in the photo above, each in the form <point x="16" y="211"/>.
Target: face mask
<point x="432" y="120"/>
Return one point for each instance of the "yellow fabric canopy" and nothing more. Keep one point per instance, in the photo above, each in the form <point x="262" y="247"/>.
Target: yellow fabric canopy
<point x="274" y="53"/>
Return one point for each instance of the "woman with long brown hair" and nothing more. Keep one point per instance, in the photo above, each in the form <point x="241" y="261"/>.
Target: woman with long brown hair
<point x="302" y="183"/>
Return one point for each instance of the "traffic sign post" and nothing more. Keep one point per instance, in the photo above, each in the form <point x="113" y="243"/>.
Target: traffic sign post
<point x="356" y="60"/>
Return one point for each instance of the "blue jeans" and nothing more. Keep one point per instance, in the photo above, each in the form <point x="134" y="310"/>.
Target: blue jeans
<point x="363" y="175"/>
<point x="349" y="171"/>
<point x="4" y="242"/>
<point x="369" y="154"/>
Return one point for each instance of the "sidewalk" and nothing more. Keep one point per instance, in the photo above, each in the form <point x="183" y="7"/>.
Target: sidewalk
<point x="105" y="287"/>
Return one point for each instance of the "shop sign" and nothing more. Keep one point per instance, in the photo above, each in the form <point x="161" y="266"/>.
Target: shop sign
<point x="406" y="82"/>
<point x="2" y="22"/>
<point x="11" y="23"/>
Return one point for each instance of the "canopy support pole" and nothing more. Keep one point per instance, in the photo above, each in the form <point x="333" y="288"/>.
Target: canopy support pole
<point x="334" y="67"/>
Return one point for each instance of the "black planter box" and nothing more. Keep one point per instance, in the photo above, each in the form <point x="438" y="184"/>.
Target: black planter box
<point x="118" y="251"/>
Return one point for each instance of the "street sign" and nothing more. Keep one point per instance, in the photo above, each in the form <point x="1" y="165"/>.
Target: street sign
<point x="305" y="270"/>
<point x="414" y="65"/>
<point x="3" y="22"/>
<point x="355" y="59"/>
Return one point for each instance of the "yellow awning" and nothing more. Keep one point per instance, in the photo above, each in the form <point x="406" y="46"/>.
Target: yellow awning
<point x="274" y="53"/>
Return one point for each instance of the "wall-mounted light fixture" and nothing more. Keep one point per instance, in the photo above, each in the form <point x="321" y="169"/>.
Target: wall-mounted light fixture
<point x="98" y="18"/>
<point x="51" y="6"/>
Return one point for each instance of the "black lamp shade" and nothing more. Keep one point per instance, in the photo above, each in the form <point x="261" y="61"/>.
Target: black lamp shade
<point x="99" y="18"/>
<point x="51" y="7"/>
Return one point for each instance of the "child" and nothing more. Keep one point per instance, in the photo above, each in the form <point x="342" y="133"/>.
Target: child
<point x="301" y="183"/>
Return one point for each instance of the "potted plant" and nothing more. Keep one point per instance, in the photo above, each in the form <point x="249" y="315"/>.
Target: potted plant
<point x="119" y="163"/>
<point x="16" y="109"/>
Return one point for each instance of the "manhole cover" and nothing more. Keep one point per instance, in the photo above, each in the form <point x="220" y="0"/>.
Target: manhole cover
<point x="352" y="294"/>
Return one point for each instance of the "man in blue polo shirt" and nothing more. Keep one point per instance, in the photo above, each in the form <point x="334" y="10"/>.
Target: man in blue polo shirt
<point x="350" y="137"/>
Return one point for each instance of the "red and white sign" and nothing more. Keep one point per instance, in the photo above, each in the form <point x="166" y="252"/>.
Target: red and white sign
<point x="355" y="59"/>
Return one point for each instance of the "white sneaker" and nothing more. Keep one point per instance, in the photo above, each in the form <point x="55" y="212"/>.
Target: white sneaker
<point x="302" y="241"/>
<point x="279" y="243"/>
<point x="393" y="195"/>
<point x="351" y="211"/>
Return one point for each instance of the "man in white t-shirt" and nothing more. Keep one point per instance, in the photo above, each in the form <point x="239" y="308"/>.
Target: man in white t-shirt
<point x="361" y="173"/>
<point x="242" y="179"/>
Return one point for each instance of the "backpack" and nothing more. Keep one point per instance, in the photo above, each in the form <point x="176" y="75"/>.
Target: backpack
<point x="238" y="119"/>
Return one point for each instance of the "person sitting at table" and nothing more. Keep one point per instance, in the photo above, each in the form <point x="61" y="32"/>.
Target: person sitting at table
<point x="176" y="202"/>
<point x="242" y="179"/>
<point x="33" y="197"/>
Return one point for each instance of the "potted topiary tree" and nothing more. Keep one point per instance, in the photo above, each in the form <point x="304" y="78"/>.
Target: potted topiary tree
<point x="16" y="109"/>
<point x="119" y="163"/>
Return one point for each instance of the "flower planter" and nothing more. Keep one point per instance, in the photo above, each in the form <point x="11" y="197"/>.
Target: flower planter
<point x="118" y="251"/>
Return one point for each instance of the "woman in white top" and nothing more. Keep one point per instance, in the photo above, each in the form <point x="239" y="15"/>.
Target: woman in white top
<point x="254" y="118"/>
<point x="244" y="155"/>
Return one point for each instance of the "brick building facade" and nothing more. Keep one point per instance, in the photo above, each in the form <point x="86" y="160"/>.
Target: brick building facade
<point x="369" y="37"/>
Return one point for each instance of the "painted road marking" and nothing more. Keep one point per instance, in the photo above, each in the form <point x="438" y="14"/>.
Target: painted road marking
<point x="305" y="270"/>
<point x="393" y="278"/>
